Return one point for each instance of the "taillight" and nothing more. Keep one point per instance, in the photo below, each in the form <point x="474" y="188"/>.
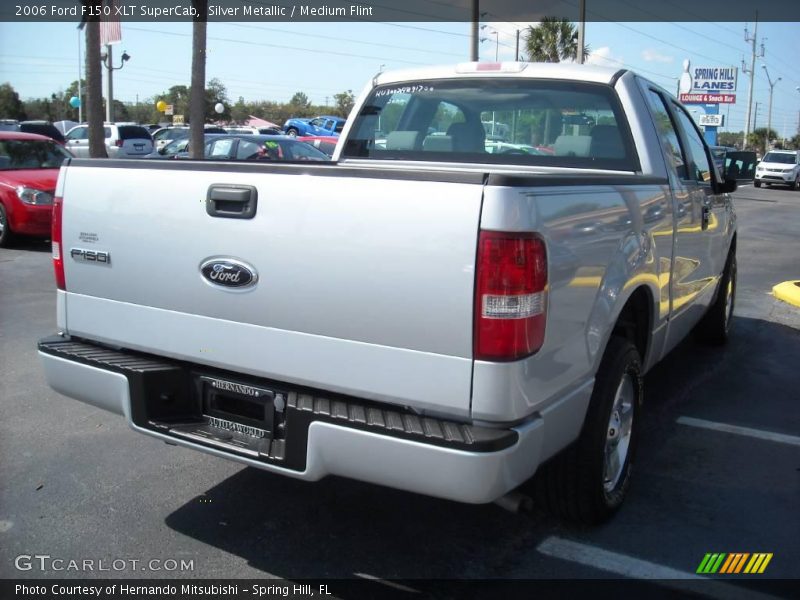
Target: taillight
<point x="118" y="143"/>
<point x="55" y="238"/>
<point x="510" y="295"/>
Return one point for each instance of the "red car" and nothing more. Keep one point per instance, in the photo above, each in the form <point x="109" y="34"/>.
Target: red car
<point x="324" y="143"/>
<point x="29" y="166"/>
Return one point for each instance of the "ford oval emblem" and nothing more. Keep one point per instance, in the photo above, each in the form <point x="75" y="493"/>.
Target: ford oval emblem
<point x="229" y="273"/>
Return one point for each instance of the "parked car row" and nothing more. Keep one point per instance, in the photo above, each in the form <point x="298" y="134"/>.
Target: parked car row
<point x="29" y="164"/>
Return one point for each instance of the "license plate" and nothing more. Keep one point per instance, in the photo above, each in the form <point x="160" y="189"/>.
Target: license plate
<point x="138" y="146"/>
<point x="238" y="407"/>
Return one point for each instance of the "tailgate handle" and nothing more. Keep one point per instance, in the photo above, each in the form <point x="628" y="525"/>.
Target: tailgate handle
<point x="230" y="201"/>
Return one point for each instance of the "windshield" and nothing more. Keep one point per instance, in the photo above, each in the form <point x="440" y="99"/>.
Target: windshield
<point x="785" y="158"/>
<point x="502" y="121"/>
<point x="31" y="154"/>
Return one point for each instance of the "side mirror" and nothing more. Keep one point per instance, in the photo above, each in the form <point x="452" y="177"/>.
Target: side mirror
<point x="726" y="187"/>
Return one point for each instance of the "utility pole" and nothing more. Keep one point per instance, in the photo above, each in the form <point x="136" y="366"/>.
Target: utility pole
<point x="769" y="111"/>
<point x="582" y="32"/>
<point x="516" y="49"/>
<point x="110" y="82"/>
<point x="80" y="92"/>
<point x="751" y="71"/>
<point x="473" y="36"/>
<point x="109" y="64"/>
<point x="755" y="117"/>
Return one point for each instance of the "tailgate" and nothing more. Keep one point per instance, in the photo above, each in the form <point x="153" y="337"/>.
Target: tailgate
<point x="364" y="278"/>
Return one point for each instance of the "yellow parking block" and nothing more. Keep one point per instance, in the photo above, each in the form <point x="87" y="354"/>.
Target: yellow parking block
<point x="788" y="291"/>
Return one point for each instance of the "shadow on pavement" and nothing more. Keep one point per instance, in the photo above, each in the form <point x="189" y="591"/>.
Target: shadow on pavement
<point x="30" y="244"/>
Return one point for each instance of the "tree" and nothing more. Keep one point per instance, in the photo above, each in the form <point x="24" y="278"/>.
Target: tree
<point x="794" y="143"/>
<point x="344" y="102"/>
<point x="300" y="101"/>
<point x="757" y="139"/>
<point x="730" y="138"/>
<point x="197" y="102"/>
<point x="94" y="92"/>
<point x="240" y="111"/>
<point x="552" y="40"/>
<point x="11" y="106"/>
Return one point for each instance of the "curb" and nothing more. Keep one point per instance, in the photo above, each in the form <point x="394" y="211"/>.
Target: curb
<point x="788" y="291"/>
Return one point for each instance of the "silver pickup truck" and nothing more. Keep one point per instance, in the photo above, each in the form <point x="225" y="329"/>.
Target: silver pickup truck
<point x="463" y="302"/>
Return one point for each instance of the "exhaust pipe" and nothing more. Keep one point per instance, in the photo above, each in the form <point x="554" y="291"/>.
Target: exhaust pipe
<point x="515" y="502"/>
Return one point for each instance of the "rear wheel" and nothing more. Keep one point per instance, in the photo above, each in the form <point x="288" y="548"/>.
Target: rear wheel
<point x="6" y="235"/>
<point x="716" y="324"/>
<point x="588" y="481"/>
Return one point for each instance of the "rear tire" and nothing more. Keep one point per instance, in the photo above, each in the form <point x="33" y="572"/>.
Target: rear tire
<point x="715" y="326"/>
<point x="588" y="481"/>
<point x="6" y="235"/>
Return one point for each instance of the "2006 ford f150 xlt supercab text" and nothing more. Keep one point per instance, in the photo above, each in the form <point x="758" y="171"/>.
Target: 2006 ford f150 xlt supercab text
<point x="450" y="307"/>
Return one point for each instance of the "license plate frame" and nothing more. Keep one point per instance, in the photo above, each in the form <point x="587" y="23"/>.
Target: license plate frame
<point x="239" y="403"/>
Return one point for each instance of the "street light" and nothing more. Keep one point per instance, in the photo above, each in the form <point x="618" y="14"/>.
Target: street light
<point x="496" y="34"/>
<point x="109" y="65"/>
<point x="769" y="111"/>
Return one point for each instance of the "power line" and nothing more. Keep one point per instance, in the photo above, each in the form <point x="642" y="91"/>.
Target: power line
<point x="340" y="39"/>
<point x="281" y="46"/>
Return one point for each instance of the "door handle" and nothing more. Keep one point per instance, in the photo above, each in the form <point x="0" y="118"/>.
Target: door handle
<point x="229" y="201"/>
<point x="705" y="217"/>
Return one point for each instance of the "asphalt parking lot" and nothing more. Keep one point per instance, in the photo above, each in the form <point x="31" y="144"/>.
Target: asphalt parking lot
<point x="718" y="468"/>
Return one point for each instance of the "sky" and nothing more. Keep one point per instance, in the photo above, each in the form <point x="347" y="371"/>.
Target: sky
<point x="272" y="61"/>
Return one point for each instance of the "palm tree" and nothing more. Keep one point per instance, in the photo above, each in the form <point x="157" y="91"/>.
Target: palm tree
<point x="94" y="85"/>
<point x="552" y="40"/>
<point x="197" y="94"/>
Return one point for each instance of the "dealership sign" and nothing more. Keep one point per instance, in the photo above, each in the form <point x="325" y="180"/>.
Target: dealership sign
<point x="709" y="85"/>
<point x="710" y="120"/>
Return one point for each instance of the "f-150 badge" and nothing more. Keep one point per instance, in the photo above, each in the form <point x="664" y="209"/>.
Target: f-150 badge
<point x="96" y="257"/>
<point x="228" y="272"/>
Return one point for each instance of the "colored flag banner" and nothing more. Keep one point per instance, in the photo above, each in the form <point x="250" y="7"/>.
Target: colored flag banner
<point x="110" y="27"/>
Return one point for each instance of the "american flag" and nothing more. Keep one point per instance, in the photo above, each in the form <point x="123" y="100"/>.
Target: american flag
<point x="110" y="27"/>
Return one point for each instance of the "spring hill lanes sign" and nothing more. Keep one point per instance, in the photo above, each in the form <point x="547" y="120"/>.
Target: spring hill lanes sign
<point x="710" y="85"/>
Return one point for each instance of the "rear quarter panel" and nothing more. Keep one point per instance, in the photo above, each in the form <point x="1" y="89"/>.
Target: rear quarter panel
<point x="603" y="242"/>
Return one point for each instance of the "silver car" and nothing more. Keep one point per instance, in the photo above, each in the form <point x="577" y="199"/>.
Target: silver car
<point x="123" y="140"/>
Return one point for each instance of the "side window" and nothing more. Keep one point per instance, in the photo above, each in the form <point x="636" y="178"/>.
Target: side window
<point x="81" y="133"/>
<point x="247" y="150"/>
<point x="220" y="149"/>
<point x="700" y="167"/>
<point x="317" y="122"/>
<point x="667" y="133"/>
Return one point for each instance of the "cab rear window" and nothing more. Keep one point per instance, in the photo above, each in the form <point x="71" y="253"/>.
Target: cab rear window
<point x="501" y="121"/>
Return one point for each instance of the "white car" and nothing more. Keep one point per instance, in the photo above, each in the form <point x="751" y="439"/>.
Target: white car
<point x="779" y="166"/>
<point x="123" y="140"/>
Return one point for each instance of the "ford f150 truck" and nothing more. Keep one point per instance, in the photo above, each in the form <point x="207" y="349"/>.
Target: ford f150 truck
<point x="419" y="313"/>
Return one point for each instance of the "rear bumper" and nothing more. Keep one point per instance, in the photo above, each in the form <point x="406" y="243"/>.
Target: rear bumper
<point x="324" y="435"/>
